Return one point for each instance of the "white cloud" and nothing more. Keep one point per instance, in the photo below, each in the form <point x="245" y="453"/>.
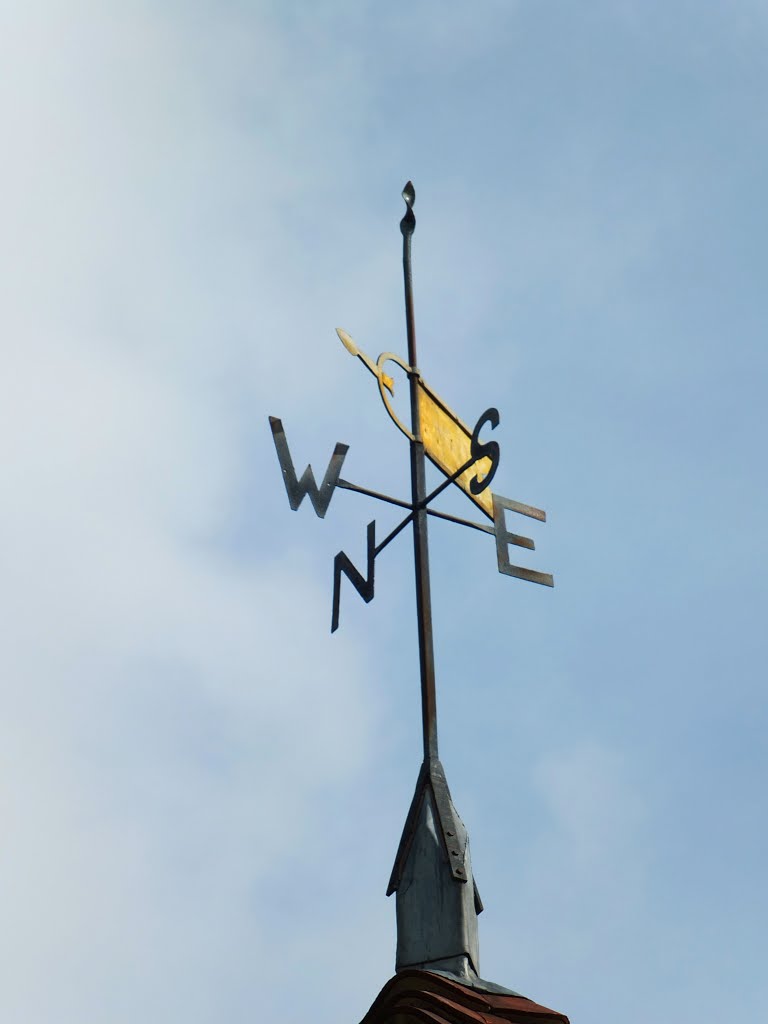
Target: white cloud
<point x="166" y="721"/>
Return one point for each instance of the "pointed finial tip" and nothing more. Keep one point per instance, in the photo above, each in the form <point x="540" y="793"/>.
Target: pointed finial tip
<point x="408" y="223"/>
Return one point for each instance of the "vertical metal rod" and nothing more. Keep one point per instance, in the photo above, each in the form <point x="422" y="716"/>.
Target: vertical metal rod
<point x="419" y="493"/>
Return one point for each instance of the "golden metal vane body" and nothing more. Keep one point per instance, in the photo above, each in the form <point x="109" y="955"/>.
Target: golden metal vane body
<point x="447" y="438"/>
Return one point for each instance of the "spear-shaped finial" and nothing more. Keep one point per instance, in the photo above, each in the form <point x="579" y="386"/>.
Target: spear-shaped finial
<point x="408" y="223"/>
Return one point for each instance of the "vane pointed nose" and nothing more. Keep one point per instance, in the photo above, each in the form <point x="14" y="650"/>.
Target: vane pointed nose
<point x="409" y="193"/>
<point x="347" y="342"/>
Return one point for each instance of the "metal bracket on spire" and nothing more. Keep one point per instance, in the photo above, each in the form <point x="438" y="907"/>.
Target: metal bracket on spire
<point x="432" y="778"/>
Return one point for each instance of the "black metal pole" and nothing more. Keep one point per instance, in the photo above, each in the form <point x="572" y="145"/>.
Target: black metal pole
<point x="418" y="494"/>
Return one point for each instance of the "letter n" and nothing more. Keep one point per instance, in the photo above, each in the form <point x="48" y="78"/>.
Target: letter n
<point x="319" y="496"/>
<point x="364" y="587"/>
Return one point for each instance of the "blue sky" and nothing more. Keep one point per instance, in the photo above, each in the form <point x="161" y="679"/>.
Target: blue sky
<point x="201" y="790"/>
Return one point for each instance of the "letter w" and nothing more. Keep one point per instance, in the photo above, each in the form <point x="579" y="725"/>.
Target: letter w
<point x="319" y="496"/>
<point x="364" y="587"/>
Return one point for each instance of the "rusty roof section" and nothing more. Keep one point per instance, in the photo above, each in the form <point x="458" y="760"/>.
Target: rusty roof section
<point x="420" y="997"/>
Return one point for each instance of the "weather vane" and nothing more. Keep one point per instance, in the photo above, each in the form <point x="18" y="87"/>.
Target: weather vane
<point x="437" y="927"/>
<point x="438" y="434"/>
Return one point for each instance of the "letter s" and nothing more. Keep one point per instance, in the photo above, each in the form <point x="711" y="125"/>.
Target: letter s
<point x="487" y="449"/>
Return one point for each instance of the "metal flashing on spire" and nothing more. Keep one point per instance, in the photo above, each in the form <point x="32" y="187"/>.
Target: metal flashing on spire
<point x="432" y="781"/>
<point x="437" y="897"/>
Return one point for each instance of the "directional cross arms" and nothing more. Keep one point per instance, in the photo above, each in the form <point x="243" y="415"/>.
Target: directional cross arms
<point x="473" y="475"/>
